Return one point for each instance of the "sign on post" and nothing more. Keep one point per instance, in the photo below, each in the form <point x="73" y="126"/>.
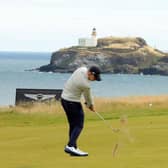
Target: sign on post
<point x="36" y="95"/>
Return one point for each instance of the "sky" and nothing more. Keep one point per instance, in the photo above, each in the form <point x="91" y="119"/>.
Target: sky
<point x="48" y="25"/>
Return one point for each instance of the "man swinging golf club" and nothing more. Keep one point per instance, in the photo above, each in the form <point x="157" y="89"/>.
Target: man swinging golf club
<point x="78" y="85"/>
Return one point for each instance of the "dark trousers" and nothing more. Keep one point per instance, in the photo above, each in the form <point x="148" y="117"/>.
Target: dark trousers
<point x="75" y="117"/>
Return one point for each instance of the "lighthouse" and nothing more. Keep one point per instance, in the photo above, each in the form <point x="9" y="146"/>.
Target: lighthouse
<point x="94" y="37"/>
<point x="89" y="42"/>
<point x="94" y="33"/>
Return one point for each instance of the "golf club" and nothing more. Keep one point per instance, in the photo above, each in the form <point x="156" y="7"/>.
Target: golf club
<point x="115" y="130"/>
<point x="101" y="117"/>
<point x="123" y="121"/>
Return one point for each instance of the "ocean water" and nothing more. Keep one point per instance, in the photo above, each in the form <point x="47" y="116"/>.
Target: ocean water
<point x="14" y="74"/>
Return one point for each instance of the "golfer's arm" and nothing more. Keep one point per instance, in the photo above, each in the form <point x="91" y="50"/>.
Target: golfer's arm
<point x="88" y="97"/>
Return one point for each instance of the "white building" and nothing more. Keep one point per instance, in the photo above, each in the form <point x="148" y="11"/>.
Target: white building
<point x="89" y="42"/>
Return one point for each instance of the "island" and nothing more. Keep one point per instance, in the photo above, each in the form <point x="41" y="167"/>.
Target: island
<point x="125" y="55"/>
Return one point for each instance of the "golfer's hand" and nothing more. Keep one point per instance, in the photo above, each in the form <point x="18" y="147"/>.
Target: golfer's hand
<point x="91" y="107"/>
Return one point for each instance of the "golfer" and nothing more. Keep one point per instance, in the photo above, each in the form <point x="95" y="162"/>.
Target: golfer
<point x="78" y="85"/>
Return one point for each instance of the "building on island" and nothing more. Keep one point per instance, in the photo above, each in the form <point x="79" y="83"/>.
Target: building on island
<point x="89" y="42"/>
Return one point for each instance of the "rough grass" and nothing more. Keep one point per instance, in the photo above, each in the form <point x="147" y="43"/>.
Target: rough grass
<point x="49" y="114"/>
<point x="34" y="136"/>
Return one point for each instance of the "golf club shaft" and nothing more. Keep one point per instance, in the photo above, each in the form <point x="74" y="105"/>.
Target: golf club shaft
<point x="101" y="117"/>
<point x="116" y="130"/>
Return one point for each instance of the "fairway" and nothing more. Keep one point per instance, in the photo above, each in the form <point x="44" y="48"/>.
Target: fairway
<point x="142" y="144"/>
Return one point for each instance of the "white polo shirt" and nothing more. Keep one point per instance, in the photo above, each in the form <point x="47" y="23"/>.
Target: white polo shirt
<point x="78" y="85"/>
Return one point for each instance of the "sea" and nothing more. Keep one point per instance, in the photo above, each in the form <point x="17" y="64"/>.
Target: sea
<point x="15" y="73"/>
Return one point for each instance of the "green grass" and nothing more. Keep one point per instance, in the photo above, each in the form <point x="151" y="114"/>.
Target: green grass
<point x="39" y="143"/>
<point x="36" y="140"/>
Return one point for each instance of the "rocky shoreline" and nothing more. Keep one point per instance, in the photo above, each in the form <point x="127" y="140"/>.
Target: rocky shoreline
<point x="113" y="55"/>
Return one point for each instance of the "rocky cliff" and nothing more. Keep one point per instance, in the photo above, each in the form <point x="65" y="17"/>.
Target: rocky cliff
<point x="112" y="55"/>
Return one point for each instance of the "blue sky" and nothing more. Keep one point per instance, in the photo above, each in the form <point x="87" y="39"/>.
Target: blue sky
<point x="48" y="25"/>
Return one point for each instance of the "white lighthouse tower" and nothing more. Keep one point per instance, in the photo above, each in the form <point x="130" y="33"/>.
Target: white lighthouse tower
<point x="94" y="37"/>
<point x="89" y="42"/>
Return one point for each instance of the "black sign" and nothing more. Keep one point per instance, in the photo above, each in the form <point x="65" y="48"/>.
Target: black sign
<point x="36" y="95"/>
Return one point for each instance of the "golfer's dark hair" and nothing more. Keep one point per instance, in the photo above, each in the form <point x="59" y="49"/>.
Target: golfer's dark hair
<point x="95" y="69"/>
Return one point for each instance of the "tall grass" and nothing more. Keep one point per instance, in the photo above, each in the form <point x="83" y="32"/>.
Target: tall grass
<point x="133" y="106"/>
<point x="104" y="105"/>
<point x="46" y="114"/>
